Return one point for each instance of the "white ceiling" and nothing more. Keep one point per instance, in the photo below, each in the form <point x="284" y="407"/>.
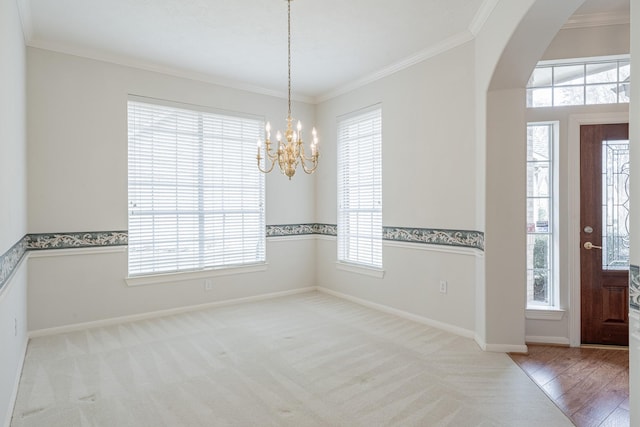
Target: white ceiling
<point x="242" y="43"/>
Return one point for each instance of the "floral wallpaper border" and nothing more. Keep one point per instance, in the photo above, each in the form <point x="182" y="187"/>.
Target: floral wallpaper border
<point x="45" y="241"/>
<point x="90" y="239"/>
<point x="11" y="259"/>
<point x="301" y="230"/>
<point x="431" y="236"/>
<point x="634" y="287"/>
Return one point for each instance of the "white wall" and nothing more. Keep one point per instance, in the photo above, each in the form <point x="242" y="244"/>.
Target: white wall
<point x="13" y="340"/>
<point x="13" y="182"/>
<point x="428" y="175"/>
<point x="505" y="266"/>
<point x="13" y="216"/>
<point x="77" y="159"/>
<point x="489" y="45"/>
<point x="589" y="41"/>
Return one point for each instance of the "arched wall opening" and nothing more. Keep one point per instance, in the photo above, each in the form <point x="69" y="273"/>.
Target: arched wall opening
<point x="511" y="42"/>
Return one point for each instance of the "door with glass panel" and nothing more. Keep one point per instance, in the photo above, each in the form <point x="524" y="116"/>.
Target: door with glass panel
<point x="604" y="233"/>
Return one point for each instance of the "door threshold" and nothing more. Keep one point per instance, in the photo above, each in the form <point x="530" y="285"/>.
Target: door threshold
<point x="605" y="347"/>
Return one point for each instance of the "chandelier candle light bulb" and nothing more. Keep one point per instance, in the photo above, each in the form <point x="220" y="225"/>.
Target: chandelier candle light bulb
<point x="290" y="152"/>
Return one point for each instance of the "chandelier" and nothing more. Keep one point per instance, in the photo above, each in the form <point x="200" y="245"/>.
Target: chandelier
<point x="290" y="151"/>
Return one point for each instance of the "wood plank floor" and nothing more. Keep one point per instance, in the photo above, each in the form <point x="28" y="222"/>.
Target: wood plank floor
<point x="590" y="385"/>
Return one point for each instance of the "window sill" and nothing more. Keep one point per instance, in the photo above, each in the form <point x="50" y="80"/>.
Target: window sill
<point x="544" y="313"/>
<point x="361" y="269"/>
<point x="153" y="279"/>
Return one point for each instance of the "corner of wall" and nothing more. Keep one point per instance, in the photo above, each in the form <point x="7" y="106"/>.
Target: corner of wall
<point x="14" y="338"/>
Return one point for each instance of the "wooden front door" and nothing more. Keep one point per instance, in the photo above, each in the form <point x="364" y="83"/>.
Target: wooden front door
<point x="604" y="234"/>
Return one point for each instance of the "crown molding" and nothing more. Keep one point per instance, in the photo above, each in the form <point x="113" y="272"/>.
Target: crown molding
<point x="441" y="47"/>
<point x="24" y="10"/>
<point x="445" y="45"/>
<point x="459" y="39"/>
<point x="482" y="15"/>
<point x="597" y="20"/>
<point x="162" y="69"/>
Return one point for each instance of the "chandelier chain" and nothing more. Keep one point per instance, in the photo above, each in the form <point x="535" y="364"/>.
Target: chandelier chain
<point x="289" y="53"/>
<point x="289" y="149"/>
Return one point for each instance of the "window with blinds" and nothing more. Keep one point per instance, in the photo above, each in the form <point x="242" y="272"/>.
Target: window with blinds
<point x="196" y="197"/>
<point x="360" y="188"/>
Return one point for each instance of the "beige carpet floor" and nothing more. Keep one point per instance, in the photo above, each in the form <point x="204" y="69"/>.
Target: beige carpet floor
<point x="303" y="360"/>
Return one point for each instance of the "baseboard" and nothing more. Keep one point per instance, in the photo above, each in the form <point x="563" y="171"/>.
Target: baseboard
<point x="16" y="384"/>
<point x="400" y="313"/>
<point x="500" y="348"/>
<point x="547" y="340"/>
<point x="480" y="342"/>
<point x="505" y="348"/>
<point x="495" y="348"/>
<point x="161" y="313"/>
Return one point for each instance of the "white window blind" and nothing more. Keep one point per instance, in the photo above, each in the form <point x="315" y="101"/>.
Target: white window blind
<point x="360" y="188"/>
<point x="196" y="197"/>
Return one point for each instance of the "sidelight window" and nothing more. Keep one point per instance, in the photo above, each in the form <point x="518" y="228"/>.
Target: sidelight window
<point x="541" y="214"/>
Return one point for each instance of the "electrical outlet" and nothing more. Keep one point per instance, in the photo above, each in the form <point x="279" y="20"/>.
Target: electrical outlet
<point x="208" y="285"/>
<point x="443" y="286"/>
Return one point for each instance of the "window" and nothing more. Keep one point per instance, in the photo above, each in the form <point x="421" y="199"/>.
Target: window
<point x="360" y="188"/>
<point x="541" y="212"/>
<point x="615" y="204"/>
<point x="597" y="81"/>
<point x="196" y="197"/>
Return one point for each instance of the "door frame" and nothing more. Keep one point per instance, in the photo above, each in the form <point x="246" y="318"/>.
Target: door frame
<point x="573" y="228"/>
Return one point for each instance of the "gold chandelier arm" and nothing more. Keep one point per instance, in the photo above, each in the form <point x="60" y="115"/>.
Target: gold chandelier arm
<point x="309" y="170"/>
<point x="303" y="158"/>
<point x="313" y="159"/>
<point x="273" y="163"/>
<point x="269" y="157"/>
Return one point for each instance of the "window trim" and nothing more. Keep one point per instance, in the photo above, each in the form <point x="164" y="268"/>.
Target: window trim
<point x="183" y="276"/>
<point x="362" y="269"/>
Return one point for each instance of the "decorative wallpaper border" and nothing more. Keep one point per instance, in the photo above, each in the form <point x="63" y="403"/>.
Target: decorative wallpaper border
<point x="11" y="259"/>
<point x="301" y="230"/>
<point x="90" y="239"/>
<point x="45" y="241"/>
<point x="431" y="236"/>
<point x="634" y="287"/>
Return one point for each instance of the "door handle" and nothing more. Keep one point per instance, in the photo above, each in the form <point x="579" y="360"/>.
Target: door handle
<point x="589" y="246"/>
